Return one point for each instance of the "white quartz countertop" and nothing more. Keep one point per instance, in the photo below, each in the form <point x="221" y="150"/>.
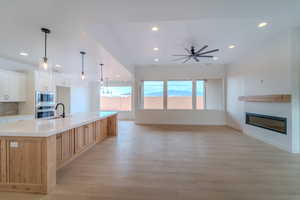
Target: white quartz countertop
<point x="17" y="117"/>
<point x="46" y="128"/>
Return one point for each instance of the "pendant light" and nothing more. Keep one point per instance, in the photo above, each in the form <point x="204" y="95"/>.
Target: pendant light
<point x="82" y="65"/>
<point x="45" y="59"/>
<point x="101" y="75"/>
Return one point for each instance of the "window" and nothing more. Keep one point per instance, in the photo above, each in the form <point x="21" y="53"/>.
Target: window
<point x="115" y="98"/>
<point x="153" y="94"/>
<point x="180" y="95"/>
<point x="200" y="94"/>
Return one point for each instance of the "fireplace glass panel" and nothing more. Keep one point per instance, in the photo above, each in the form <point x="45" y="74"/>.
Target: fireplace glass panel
<point x="277" y="124"/>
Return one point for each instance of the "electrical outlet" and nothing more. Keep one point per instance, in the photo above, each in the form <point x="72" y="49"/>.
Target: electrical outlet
<point x="14" y="144"/>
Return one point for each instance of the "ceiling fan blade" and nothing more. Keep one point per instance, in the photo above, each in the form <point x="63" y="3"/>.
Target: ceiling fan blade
<point x="187" y="59"/>
<point x="196" y="59"/>
<point x="180" y="55"/>
<point x="189" y="52"/>
<point x="204" y="47"/>
<point x="205" y="56"/>
<point x="206" y="52"/>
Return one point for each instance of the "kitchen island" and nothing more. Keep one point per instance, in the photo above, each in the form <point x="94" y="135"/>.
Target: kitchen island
<point x="31" y="151"/>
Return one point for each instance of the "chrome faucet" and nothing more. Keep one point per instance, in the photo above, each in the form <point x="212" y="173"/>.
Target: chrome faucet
<point x="63" y="115"/>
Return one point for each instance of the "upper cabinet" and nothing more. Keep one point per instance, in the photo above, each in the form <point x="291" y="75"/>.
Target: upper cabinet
<point x="44" y="81"/>
<point x="12" y="86"/>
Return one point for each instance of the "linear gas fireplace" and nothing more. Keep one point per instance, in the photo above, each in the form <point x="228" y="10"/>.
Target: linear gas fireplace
<point x="273" y="123"/>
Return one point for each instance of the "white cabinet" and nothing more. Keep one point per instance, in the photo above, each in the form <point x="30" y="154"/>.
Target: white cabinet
<point x="21" y="87"/>
<point x="12" y="86"/>
<point x="45" y="82"/>
<point x="3" y="86"/>
<point x="62" y="80"/>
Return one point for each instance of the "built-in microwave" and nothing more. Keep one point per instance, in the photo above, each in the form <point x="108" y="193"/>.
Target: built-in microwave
<point x="44" y="104"/>
<point x="45" y="98"/>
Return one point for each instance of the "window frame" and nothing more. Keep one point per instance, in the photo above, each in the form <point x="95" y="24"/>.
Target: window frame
<point x="141" y="95"/>
<point x="131" y="99"/>
<point x="204" y="94"/>
<point x="165" y="95"/>
<point x="186" y="109"/>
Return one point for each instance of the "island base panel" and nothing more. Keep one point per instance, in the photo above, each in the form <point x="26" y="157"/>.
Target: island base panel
<point x="29" y="164"/>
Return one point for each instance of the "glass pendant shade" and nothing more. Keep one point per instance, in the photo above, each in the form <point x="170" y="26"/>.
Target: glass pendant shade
<point x="82" y="76"/>
<point x="45" y="74"/>
<point x="101" y="76"/>
<point x="45" y="70"/>
<point x="82" y="65"/>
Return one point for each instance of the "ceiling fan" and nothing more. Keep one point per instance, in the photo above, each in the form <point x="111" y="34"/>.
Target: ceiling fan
<point x="195" y="54"/>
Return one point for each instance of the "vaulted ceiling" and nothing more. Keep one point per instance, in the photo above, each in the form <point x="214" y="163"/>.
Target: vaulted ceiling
<point x="123" y="28"/>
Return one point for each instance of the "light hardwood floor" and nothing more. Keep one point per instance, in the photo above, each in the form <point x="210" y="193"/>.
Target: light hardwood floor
<point x="177" y="163"/>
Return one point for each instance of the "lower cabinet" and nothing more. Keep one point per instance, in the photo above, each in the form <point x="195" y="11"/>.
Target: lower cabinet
<point x="29" y="164"/>
<point x="104" y="131"/>
<point x="112" y="126"/>
<point x="67" y="145"/>
<point x="97" y="126"/>
<point x="2" y="160"/>
<point x="58" y="150"/>
<point x="64" y="147"/>
<point x="24" y="163"/>
<point x="100" y="130"/>
<point x="84" y="137"/>
<point x="70" y="143"/>
<point x="79" y="139"/>
<point x="89" y="134"/>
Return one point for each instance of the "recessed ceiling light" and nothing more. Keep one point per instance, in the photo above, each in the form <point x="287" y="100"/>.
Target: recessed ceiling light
<point x="24" y="54"/>
<point x="155" y="28"/>
<point x="155" y="49"/>
<point x="156" y="59"/>
<point x="262" y="24"/>
<point x="57" y="65"/>
<point x="231" y="46"/>
<point x="215" y="58"/>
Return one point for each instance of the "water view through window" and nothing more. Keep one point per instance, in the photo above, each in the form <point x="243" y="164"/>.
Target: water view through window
<point x="115" y="98"/>
<point x="153" y="94"/>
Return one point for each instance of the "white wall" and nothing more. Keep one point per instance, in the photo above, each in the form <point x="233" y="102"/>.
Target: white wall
<point x="80" y="100"/>
<point x="265" y="71"/>
<point x="214" y="94"/>
<point x="295" y="79"/>
<point x="179" y="72"/>
<point x="27" y="108"/>
<point x="63" y="95"/>
<point x="94" y="88"/>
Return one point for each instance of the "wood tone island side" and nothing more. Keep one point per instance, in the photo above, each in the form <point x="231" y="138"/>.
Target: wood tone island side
<point x="32" y="151"/>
